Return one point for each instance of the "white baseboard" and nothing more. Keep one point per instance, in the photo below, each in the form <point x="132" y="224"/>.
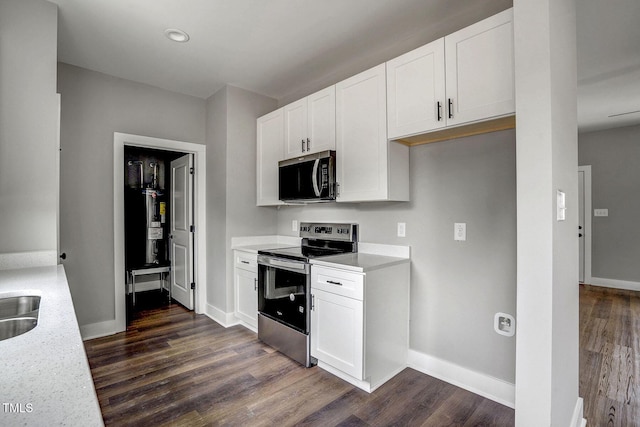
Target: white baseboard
<point x="99" y="329"/>
<point x="221" y="317"/>
<point x="10" y="261"/>
<point x="615" y="283"/>
<point x="577" y="420"/>
<point x="487" y="386"/>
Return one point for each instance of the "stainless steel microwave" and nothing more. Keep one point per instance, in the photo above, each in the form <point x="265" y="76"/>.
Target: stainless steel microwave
<point x="307" y="179"/>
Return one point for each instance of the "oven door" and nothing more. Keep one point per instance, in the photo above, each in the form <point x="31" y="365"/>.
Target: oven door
<point x="283" y="291"/>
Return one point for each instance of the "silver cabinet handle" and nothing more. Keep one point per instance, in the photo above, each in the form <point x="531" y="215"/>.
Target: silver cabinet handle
<point x="308" y="144"/>
<point x="244" y="262"/>
<point x="313" y="301"/>
<point x="302" y="140"/>
<point x="334" y="283"/>
<point x="450" y="108"/>
<point x="255" y="284"/>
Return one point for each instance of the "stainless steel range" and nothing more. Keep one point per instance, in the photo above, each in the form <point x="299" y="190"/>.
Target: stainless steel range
<point x="284" y="286"/>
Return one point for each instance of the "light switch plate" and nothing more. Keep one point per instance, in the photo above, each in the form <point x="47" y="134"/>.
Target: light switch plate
<point x="601" y="212"/>
<point x="460" y="231"/>
<point x="294" y="225"/>
<point x="561" y="206"/>
<point x="402" y="229"/>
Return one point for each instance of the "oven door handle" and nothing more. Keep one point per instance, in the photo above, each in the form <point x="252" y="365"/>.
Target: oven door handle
<point x="292" y="266"/>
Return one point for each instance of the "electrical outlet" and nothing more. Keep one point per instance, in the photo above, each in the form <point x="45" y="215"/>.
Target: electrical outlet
<point x="601" y="212"/>
<point x="460" y="231"/>
<point x="402" y="229"/>
<point x="504" y="324"/>
<point x="294" y="225"/>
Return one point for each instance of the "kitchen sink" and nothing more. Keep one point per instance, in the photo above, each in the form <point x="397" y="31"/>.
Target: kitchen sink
<point x="18" y="314"/>
<point x="10" y="328"/>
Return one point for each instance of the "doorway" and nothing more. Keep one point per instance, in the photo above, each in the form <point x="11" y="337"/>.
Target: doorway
<point x="197" y="154"/>
<point x="158" y="215"/>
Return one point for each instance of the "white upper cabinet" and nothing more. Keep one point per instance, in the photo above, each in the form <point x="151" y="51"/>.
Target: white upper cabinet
<point x="415" y="91"/>
<point x="310" y="124"/>
<point x="369" y="167"/>
<point x="270" y="130"/>
<point x="480" y="70"/>
<point x="465" y="77"/>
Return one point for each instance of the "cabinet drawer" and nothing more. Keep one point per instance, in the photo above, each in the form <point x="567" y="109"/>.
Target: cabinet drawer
<point x="338" y="282"/>
<point x="246" y="261"/>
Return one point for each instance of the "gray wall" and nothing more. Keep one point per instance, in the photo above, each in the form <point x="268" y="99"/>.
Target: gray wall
<point x="94" y="106"/>
<point x="456" y="287"/>
<point x="614" y="156"/>
<point x="28" y="126"/>
<point x="231" y="139"/>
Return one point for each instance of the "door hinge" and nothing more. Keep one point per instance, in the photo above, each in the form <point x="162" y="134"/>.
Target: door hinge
<point x="192" y="228"/>
<point x="192" y="171"/>
<point x="193" y="285"/>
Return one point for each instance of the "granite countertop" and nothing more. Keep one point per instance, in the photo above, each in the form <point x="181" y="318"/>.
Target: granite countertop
<point x="359" y="262"/>
<point x="45" y="377"/>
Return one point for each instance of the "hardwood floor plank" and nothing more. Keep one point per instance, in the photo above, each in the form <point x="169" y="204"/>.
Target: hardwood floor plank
<point x="175" y="368"/>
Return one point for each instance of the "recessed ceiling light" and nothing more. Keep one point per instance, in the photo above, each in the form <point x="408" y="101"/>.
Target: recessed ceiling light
<point x="176" y="35"/>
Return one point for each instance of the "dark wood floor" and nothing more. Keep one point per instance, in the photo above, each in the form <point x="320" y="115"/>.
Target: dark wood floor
<point x="173" y="367"/>
<point x="610" y="356"/>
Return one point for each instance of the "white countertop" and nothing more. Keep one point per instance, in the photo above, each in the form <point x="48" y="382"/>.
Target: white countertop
<point x="358" y="261"/>
<point x="45" y="374"/>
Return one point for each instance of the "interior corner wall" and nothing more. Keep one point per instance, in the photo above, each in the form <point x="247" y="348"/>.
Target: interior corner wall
<point x="614" y="156"/>
<point x="28" y="126"/>
<point x="94" y="106"/>
<point x="216" y="135"/>
<point x="231" y="136"/>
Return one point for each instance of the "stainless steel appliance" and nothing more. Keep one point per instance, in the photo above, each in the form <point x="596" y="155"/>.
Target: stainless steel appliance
<point x="284" y="286"/>
<point x="307" y="179"/>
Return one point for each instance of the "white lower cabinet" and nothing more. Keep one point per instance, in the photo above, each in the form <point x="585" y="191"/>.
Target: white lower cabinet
<point x="341" y="350"/>
<point x="360" y="323"/>
<point x="245" y="280"/>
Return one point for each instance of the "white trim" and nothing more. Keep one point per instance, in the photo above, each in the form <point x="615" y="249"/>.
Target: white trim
<point x="615" y="283"/>
<point x="99" y="329"/>
<point x="487" y="386"/>
<point x="220" y="317"/>
<point x="10" y="261"/>
<point x="200" y="183"/>
<point x="588" y="215"/>
<point x="577" y="420"/>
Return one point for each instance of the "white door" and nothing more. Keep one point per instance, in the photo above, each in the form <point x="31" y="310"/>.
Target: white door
<point x="361" y="137"/>
<point x="181" y="222"/>
<point x="270" y="150"/>
<point x="480" y="70"/>
<point x="337" y="332"/>
<point x="321" y="121"/>
<point x="295" y="128"/>
<point x="415" y="91"/>
<point x="247" y="296"/>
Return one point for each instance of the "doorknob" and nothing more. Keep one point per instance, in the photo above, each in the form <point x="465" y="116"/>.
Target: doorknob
<point x="63" y="256"/>
<point x="579" y="227"/>
<point x="579" y="234"/>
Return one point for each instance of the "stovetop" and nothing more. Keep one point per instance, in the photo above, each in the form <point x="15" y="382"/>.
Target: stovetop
<point x="300" y="253"/>
<point x="320" y="239"/>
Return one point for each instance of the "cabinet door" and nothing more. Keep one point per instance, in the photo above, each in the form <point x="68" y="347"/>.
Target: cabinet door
<point x="415" y="91"/>
<point x="270" y="139"/>
<point x="295" y="128"/>
<point x="480" y="70"/>
<point x="321" y="121"/>
<point x="337" y="334"/>
<point x="246" y="284"/>
<point x="361" y="137"/>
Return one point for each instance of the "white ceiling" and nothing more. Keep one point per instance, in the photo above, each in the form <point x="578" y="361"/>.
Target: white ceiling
<point x="288" y="48"/>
